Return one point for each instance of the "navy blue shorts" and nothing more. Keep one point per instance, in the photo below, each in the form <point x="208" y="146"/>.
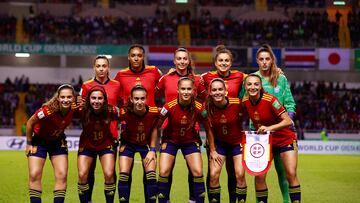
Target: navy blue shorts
<point x="227" y="149"/>
<point x="129" y="149"/>
<point x="94" y="153"/>
<point x="290" y="147"/>
<point x="53" y="149"/>
<point x="186" y="149"/>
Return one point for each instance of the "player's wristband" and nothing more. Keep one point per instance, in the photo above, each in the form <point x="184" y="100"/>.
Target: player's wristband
<point x="28" y="142"/>
<point x="291" y="115"/>
<point x="152" y="149"/>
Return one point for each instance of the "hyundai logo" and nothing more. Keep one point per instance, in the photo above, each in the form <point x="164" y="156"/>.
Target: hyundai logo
<point x="15" y="143"/>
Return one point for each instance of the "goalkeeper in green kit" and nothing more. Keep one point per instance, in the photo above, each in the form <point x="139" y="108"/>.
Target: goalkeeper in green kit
<point x="276" y="84"/>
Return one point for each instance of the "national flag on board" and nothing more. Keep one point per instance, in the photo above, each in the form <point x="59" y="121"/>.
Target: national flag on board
<point x="334" y="59"/>
<point x="357" y="59"/>
<point x="277" y="52"/>
<point x="300" y="58"/>
<point x="162" y="56"/>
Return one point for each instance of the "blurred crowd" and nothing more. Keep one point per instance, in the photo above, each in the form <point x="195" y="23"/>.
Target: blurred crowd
<point x="302" y="29"/>
<point x="327" y="106"/>
<point x="319" y="105"/>
<point x="312" y="29"/>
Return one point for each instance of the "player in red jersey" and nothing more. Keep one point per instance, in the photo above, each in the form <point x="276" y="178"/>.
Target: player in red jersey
<point x="180" y="133"/>
<point x="267" y="114"/>
<point x="45" y="135"/>
<point x="112" y="88"/>
<point x="96" y="139"/>
<point x="183" y="68"/>
<point x="225" y="115"/>
<point x="233" y="79"/>
<point x="138" y="137"/>
<point x="138" y="74"/>
<point x="166" y="84"/>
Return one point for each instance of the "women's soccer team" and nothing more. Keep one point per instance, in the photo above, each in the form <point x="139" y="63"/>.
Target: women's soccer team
<point x="219" y="100"/>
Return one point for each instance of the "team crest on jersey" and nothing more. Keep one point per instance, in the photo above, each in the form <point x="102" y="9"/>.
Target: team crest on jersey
<point x="277" y="89"/>
<point x="256" y="116"/>
<point x="141" y="127"/>
<point x="138" y="81"/>
<point x="163" y="111"/>
<point x="97" y="125"/>
<point x="163" y="146"/>
<point x="223" y="119"/>
<point x="184" y="120"/>
<point x="81" y="149"/>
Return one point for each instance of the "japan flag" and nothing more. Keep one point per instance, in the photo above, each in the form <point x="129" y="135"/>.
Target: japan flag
<point x="334" y="59"/>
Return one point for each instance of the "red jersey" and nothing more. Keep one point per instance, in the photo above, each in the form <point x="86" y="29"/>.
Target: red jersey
<point x="112" y="89"/>
<point x="51" y="125"/>
<point x="168" y="84"/>
<point x="147" y="77"/>
<point x="233" y="82"/>
<point x="96" y="134"/>
<point x="226" y="122"/>
<point x="267" y="112"/>
<point x="139" y="128"/>
<point x="181" y="127"/>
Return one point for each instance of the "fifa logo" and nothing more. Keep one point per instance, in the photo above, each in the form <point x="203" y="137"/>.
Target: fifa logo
<point x="15" y="143"/>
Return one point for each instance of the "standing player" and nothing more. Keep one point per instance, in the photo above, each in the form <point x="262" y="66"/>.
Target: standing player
<point x="45" y="135"/>
<point x="97" y="139"/>
<point x="138" y="74"/>
<point x="276" y="84"/>
<point x="233" y="79"/>
<point x="180" y="133"/>
<point x="166" y="84"/>
<point x="112" y="88"/>
<point x="267" y="114"/>
<point x="137" y="137"/>
<point x="225" y="116"/>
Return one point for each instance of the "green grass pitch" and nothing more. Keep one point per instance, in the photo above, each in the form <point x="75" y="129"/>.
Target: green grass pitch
<point x="324" y="178"/>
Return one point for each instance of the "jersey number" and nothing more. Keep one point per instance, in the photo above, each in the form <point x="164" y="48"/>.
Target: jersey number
<point x="140" y="137"/>
<point x="98" y="135"/>
<point x="182" y="132"/>
<point x="224" y="130"/>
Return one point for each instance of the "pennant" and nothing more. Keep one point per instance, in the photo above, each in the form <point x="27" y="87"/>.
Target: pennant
<point x="257" y="153"/>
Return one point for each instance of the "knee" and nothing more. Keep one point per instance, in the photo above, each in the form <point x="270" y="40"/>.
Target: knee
<point x="61" y="176"/>
<point x="260" y="180"/>
<point x="291" y="176"/>
<point x="83" y="176"/>
<point x="240" y="179"/>
<point x="109" y="176"/>
<point x="197" y="172"/>
<point x="164" y="172"/>
<point x="34" y="176"/>
<point x="214" y="178"/>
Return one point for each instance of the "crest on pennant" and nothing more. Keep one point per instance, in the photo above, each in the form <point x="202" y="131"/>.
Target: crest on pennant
<point x="257" y="154"/>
